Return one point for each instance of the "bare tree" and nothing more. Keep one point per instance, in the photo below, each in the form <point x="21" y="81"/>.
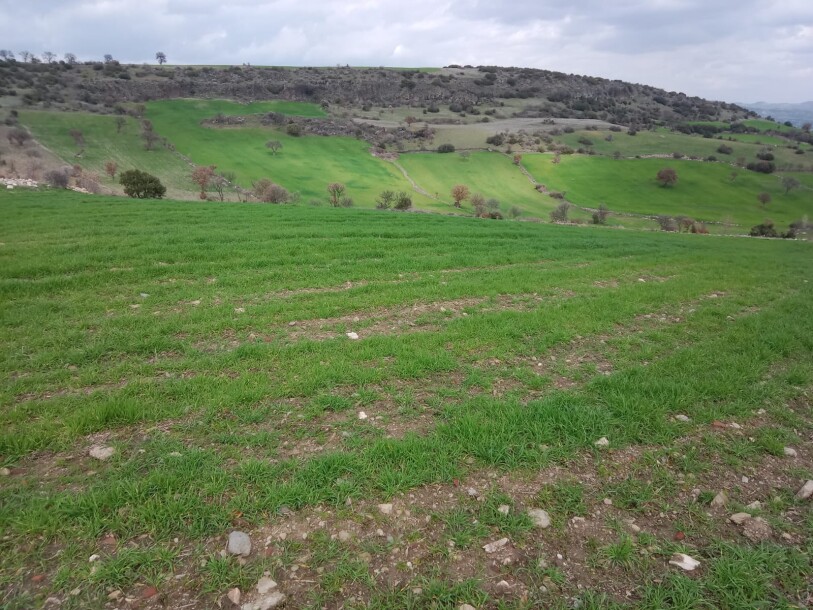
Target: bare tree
<point x="120" y="123"/>
<point x="18" y="136"/>
<point x="70" y="58"/>
<point x="790" y="183"/>
<point x="764" y="198"/>
<point x="337" y="197"/>
<point x="26" y="55"/>
<point x="108" y="58"/>
<point x="667" y="177"/>
<point x="202" y="176"/>
<point x="110" y="168"/>
<point x="6" y="55"/>
<point x="78" y="137"/>
<point x="49" y="57"/>
<point x="274" y="146"/>
<point x="460" y="192"/>
<point x="161" y="58"/>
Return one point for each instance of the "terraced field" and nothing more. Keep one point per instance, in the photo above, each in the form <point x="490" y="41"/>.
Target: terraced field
<point x="385" y="403"/>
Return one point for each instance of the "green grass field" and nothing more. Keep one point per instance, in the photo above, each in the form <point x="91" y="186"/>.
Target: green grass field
<point x="305" y="165"/>
<point x="206" y="344"/>
<point x="704" y="191"/>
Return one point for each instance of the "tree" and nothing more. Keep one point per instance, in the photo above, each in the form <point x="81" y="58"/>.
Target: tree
<point x="141" y="185"/>
<point x="6" y="55"/>
<point x="600" y="216"/>
<point x="385" y="200"/>
<point x="517" y="159"/>
<point x="49" y="57"/>
<point x="26" y="56"/>
<point x="70" y="58"/>
<point x="120" y="123"/>
<point x="790" y="183"/>
<point x="108" y="58"/>
<point x="161" y="57"/>
<point x="667" y="177"/>
<point x="110" y="168"/>
<point x="274" y="146"/>
<point x="202" y="176"/>
<point x="806" y="127"/>
<point x="764" y="198"/>
<point x="337" y="197"/>
<point x="268" y="192"/>
<point x="410" y="120"/>
<point x="218" y="185"/>
<point x="478" y="202"/>
<point x="57" y="178"/>
<point x="460" y="192"/>
<point x="403" y="201"/>
<point x="560" y="214"/>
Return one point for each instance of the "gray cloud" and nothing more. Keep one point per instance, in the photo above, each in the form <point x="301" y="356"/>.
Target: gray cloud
<point x="735" y="50"/>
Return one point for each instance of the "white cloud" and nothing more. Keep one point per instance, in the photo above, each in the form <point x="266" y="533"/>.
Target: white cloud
<point x="736" y="50"/>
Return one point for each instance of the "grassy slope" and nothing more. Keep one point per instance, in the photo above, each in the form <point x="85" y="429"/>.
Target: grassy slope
<point x="103" y="143"/>
<point x="704" y="190"/>
<point x="72" y="267"/>
<point x="491" y="174"/>
<point x="306" y="164"/>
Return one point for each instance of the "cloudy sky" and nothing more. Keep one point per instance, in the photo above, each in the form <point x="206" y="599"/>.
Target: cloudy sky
<point x="732" y="50"/>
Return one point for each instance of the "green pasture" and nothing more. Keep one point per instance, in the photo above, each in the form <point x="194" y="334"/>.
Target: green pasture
<point x="177" y="334"/>
<point x="705" y="191"/>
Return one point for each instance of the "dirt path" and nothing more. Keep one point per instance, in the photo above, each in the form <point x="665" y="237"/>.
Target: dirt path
<point x="414" y="184"/>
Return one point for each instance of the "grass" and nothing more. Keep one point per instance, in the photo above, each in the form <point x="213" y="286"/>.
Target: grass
<point x="704" y="191"/>
<point x="201" y="400"/>
<point x="305" y="164"/>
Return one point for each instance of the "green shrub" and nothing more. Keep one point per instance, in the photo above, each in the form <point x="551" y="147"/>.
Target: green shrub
<point x="141" y="185"/>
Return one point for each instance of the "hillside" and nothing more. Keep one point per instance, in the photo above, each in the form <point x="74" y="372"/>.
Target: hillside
<point x="535" y="93"/>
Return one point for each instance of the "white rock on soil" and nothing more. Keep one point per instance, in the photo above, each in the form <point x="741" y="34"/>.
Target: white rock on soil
<point x="602" y="442"/>
<point x="683" y="418"/>
<point x="466" y="607"/>
<point x="4" y="472"/>
<point x="266" y="603"/>
<point x="362" y="415"/>
<point x="472" y="493"/>
<point x="757" y="530"/>
<point x="385" y="509"/>
<point x="739" y="518"/>
<point x="493" y="547"/>
<point x="265" y="584"/>
<point x="101" y="452"/>
<point x="806" y="491"/>
<point x="344" y="536"/>
<point x="719" y="500"/>
<point x="755" y="505"/>
<point x="540" y="517"/>
<point x="504" y="509"/>
<point x="234" y="596"/>
<point x="684" y="562"/>
<point x="790" y="452"/>
<point x="239" y="544"/>
<point x="352" y="335"/>
<point x="503" y="586"/>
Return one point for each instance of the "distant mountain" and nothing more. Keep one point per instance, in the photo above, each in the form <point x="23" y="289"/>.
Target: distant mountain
<point x="795" y="113"/>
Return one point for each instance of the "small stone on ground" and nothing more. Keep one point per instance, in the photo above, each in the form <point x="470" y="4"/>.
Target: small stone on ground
<point x="239" y="544"/>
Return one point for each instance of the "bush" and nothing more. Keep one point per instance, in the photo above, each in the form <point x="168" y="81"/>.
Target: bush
<point x="560" y="214"/>
<point x="268" y="192"/>
<point x="141" y="185"/>
<point x="600" y="216"/>
<point x="496" y="140"/>
<point x="57" y="179"/>
<point x="514" y="212"/>
<point x="403" y="201"/>
<point x="446" y="148"/>
<point x="385" y="200"/>
<point x="765" y="156"/>
<point x="294" y="129"/>
<point x="766" y="229"/>
<point x="763" y="167"/>
<point x="667" y="223"/>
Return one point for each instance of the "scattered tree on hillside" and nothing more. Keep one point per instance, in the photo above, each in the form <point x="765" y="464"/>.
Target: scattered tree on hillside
<point x="110" y="168"/>
<point x="460" y="192"/>
<point x="560" y="214"/>
<point x="202" y="176"/>
<point x="141" y="185"/>
<point x="337" y="197"/>
<point x="478" y="202"/>
<point x="385" y="200"/>
<point x="764" y="198"/>
<point x="667" y="177"/>
<point x="274" y="146"/>
<point x="161" y="57"/>
<point x="806" y="127"/>
<point x="57" y="178"/>
<point x="600" y="216"/>
<point x="410" y="120"/>
<point x="148" y="135"/>
<point x="684" y="223"/>
<point x="26" y="56"/>
<point x="403" y="201"/>
<point x="766" y="229"/>
<point x="790" y="183"/>
<point x="667" y="223"/>
<point x="517" y="159"/>
<point x="218" y="184"/>
<point x="108" y="58"/>
<point x="446" y="148"/>
<point x="268" y="192"/>
<point x="18" y="136"/>
<point x="49" y="57"/>
<point x="557" y="158"/>
<point x="120" y="123"/>
<point x="70" y="58"/>
<point x="6" y="55"/>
